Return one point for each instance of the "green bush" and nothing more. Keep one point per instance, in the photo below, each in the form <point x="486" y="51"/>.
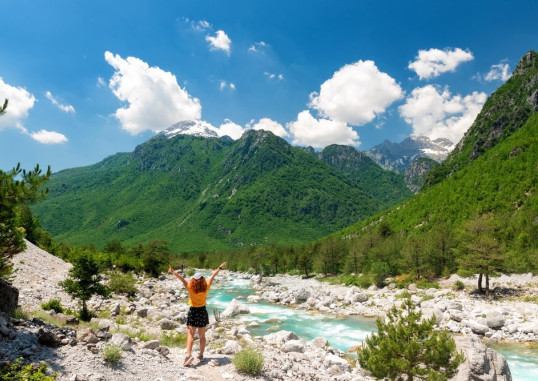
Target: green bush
<point x="19" y="314"/>
<point x="458" y="286"/>
<point x="17" y="371"/>
<point x="190" y="272"/>
<point x="111" y="354"/>
<point x="178" y="340"/>
<point x="424" y="284"/>
<point x="122" y="283"/>
<point x="248" y="361"/>
<point x="53" y="304"/>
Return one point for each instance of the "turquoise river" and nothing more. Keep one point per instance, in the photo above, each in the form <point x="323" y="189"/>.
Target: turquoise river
<point x="342" y="333"/>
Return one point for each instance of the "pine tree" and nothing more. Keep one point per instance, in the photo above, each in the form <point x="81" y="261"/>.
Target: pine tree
<point x="4" y="107"/>
<point x="407" y="348"/>
<point x="17" y="187"/>
<point x="84" y="282"/>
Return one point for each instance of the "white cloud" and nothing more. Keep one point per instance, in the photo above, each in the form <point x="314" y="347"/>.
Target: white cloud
<point x="257" y="46"/>
<point x="231" y="129"/>
<point x="220" y="41"/>
<point x="439" y="114"/>
<point x="309" y="131"/>
<point x="64" y="108"/>
<point x="20" y="103"/>
<point x="269" y="125"/>
<point x="155" y="99"/>
<point x="280" y="77"/>
<point x="48" y="137"/>
<point x="101" y="82"/>
<point x="356" y="94"/>
<point x="500" y="71"/>
<point x="432" y="63"/>
<point x="223" y="85"/>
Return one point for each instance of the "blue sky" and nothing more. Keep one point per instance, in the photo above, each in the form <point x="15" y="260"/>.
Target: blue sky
<point x="88" y="79"/>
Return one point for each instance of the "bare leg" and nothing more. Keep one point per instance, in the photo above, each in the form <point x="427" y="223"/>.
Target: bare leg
<point x="190" y="338"/>
<point x="201" y="336"/>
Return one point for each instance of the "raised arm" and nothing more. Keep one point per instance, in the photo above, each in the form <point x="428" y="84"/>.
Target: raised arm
<point x="178" y="276"/>
<point x="216" y="272"/>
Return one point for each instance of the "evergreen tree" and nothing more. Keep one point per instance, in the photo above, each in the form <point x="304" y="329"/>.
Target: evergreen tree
<point x="84" y="282"/>
<point x="17" y="187"/>
<point x="482" y="249"/>
<point x="407" y="348"/>
<point x="4" y="107"/>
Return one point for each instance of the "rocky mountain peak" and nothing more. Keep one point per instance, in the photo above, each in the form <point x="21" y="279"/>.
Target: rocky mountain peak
<point x="191" y="127"/>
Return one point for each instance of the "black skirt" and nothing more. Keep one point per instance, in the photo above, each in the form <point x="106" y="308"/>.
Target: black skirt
<point x="197" y="317"/>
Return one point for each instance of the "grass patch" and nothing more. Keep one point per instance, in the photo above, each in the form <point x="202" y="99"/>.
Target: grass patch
<point x="362" y="281"/>
<point x="112" y="354"/>
<point x="17" y="371"/>
<point x="177" y="340"/>
<point x="249" y="361"/>
<point x="18" y="313"/>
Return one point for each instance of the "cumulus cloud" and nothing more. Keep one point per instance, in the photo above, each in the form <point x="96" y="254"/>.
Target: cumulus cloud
<point x="269" y="125"/>
<point x="48" y="137"/>
<point x="434" y="62"/>
<point x="64" y="108"/>
<point x="220" y="41"/>
<point x="500" y="71"/>
<point x="155" y="100"/>
<point x="436" y="113"/>
<point x="356" y="94"/>
<point x="20" y="103"/>
<point x="230" y="129"/>
<point x="318" y="133"/>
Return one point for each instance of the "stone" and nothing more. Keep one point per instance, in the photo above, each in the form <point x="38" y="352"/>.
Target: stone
<point x="143" y="312"/>
<point x="48" y="338"/>
<point x="165" y="351"/>
<point x="481" y="363"/>
<point x="336" y="365"/>
<point x="235" y="308"/>
<point x="495" y="320"/>
<point x="293" y="346"/>
<point x="167" y="324"/>
<point x="121" y="340"/>
<point x="319" y="342"/>
<point x="476" y="327"/>
<point x="87" y="335"/>
<point x="9" y="299"/>
<point x="302" y="296"/>
<point x="280" y="337"/>
<point x="152" y="344"/>
<point x="231" y="347"/>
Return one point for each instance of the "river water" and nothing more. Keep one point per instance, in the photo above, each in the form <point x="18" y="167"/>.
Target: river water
<point x="341" y="332"/>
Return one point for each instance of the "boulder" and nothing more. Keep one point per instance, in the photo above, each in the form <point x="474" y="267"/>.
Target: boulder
<point x="87" y="336"/>
<point x="121" y="340"/>
<point x="302" y="296"/>
<point x="280" y="337"/>
<point x="48" y="338"/>
<point x="9" y="297"/>
<point x="152" y="344"/>
<point x="336" y="365"/>
<point x="235" y="308"/>
<point x="481" y="363"/>
<point x="231" y="347"/>
<point x="319" y="342"/>
<point x="495" y="320"/>
<point x="167" y="324"/>
<point x="293" y="346"/>
<point x="476" y="327"/>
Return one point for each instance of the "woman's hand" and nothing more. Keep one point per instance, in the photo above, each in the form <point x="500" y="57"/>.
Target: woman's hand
<point x="223" y="265"/>
<point x="170" y="270"/>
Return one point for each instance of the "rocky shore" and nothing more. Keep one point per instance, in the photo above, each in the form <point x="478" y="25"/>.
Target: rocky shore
<point x="141" y="324"/>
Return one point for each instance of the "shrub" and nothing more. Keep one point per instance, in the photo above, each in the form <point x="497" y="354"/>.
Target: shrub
<point x="406" y="347"/>
<point x="16" y="371"/>
<point x="53" y="304"/>
<point x="190" y="272"/>
<point x="111" y="354"/>
<point x="458" y="286"/>
<point x="19" y="314"/>
<point x="248" y="361"/>
<point x="424" y="284"/>
<point x="122" y="283"/>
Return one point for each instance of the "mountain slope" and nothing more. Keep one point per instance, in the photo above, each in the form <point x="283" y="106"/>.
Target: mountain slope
<point x="387" y="186"/>
<point x="506" y="110"/>
<point x="203" y="194"/>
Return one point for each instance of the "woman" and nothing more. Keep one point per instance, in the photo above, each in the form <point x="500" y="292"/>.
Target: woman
<point x="197" y="318"/>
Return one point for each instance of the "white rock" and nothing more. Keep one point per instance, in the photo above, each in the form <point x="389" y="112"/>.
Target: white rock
<point x="235" y="308"/>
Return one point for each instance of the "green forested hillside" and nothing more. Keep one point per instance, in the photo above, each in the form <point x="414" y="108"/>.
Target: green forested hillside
<point x="506" y="110"/>
<point x="203" y="194"/>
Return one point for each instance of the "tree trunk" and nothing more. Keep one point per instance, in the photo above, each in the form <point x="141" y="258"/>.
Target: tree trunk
<point x="487" y="285"/>
<point x="261" y="273"/>
<point x="480" y="283"/>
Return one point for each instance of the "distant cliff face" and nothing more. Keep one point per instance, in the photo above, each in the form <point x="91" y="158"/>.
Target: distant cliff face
<point x="398" y="156"/>
<point x="416" y="172"/>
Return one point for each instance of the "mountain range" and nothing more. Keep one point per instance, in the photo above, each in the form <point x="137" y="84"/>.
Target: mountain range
<point x="205" y="193"/>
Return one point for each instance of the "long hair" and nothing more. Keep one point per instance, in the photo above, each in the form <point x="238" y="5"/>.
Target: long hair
<point x="198" y="286"/>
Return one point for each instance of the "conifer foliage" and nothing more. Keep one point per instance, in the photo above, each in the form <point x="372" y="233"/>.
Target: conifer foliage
<point x="406" y="347"/>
